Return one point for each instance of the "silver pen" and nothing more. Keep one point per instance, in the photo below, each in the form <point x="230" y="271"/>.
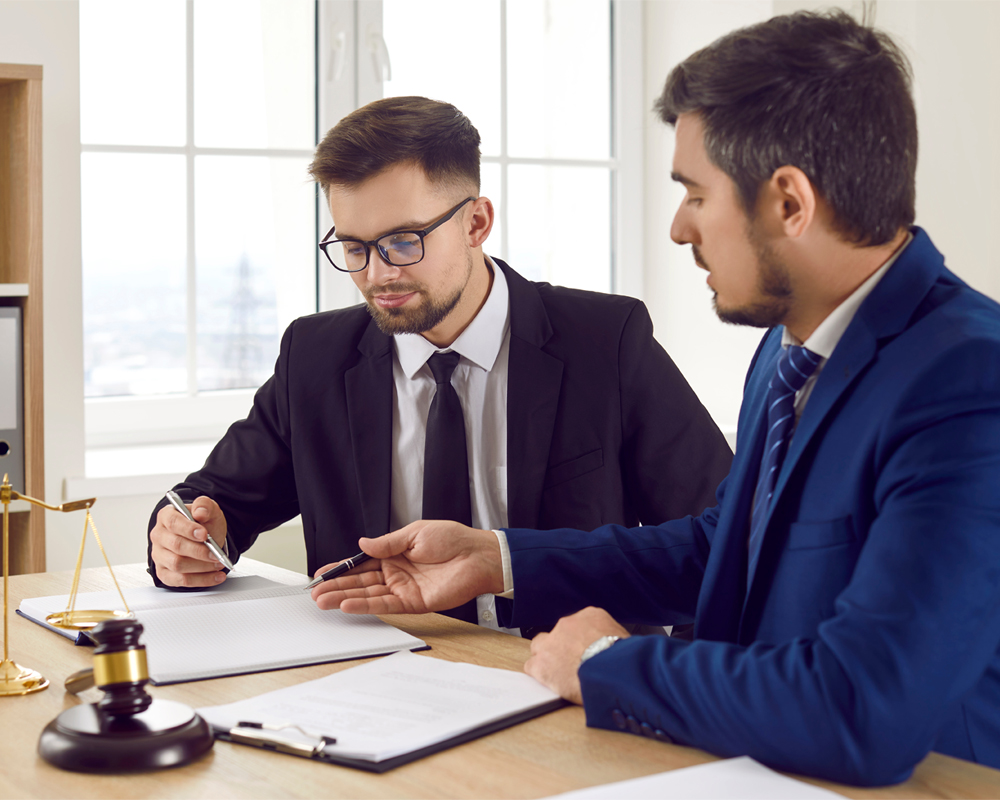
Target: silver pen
<point x="177" y="503"/>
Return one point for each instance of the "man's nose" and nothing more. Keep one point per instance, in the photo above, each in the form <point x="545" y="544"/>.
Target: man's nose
<point x="379" y="270"/>
<point x="681" y="231"/>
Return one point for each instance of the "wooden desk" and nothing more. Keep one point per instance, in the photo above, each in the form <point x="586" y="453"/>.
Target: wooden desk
<point x="551" y="754"/>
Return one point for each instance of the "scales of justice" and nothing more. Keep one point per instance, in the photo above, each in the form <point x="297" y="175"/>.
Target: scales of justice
<point x="19" y="680"/>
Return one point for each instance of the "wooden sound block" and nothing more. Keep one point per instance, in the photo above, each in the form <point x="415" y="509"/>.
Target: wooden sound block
<point x="86" y="738"/>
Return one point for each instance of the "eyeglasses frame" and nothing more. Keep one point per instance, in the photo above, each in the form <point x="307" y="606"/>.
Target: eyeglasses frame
<point x="327" y="241"/>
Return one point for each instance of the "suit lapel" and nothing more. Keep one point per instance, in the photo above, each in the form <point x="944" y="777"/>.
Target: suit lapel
<point x="369" y="409"/>
<point x="534" y="379"/>
<point x="721" y="601"/>
<point x="884" y="313"/>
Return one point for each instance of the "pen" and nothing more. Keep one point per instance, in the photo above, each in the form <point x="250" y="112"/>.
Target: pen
<point x="337" y="571"/>
<point x="177" y="503"/>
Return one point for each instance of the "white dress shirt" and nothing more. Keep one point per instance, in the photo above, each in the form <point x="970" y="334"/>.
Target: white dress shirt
<point x="829" y="332"/>
<point x="480" y="379"/>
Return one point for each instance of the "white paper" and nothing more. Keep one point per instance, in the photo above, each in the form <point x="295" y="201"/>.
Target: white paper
<point x="392" y="706"/>
<point x="248" y="624"/>
<point x="731" y="779"/>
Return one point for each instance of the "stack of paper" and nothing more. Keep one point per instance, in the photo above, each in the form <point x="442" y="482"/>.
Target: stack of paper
<point x="391" y="711"/>
<point x="248" y="624"/>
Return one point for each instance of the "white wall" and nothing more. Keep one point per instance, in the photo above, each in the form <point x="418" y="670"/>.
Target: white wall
<point x="957" y="89"/>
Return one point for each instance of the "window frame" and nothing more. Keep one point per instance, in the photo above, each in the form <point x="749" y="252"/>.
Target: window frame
<point x="190" y="414"/>
<point x="345" y="32"/>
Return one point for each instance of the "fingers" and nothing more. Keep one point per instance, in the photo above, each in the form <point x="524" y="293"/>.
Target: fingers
<point x="348" y="582"/>
<point x="178" y="549"/>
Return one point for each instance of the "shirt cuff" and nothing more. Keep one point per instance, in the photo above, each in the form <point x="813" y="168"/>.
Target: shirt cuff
<point x="508" y="576"/>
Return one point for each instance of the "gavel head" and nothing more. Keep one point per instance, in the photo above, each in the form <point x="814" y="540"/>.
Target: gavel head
<point x="120" y="667"/>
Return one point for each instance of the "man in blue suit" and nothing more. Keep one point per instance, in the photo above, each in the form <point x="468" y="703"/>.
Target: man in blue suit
<point x="845" y="590"/>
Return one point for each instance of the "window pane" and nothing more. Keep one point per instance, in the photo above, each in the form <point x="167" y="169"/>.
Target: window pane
<point x="559" y="78"/>
<point x="254" y="74"/>
<point x="131" y="82"/>
<point x="255" y="254"/>
<point x="560" y="225"/>
<point x="134" y="273"/>
<point x="447" y="50"/>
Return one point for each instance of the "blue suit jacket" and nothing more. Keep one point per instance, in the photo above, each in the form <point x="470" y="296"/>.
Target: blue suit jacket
<point x="868" y="634"/>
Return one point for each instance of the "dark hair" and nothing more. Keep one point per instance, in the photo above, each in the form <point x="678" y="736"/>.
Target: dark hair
<point x="397" y="130"/>
<point x="817" y="91"/>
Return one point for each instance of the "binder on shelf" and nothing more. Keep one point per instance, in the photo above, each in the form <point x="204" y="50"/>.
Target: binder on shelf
<point x="11" y="397"/>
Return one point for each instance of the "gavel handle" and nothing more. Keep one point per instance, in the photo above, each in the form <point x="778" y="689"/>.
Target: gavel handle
<point x="80" y="681"/>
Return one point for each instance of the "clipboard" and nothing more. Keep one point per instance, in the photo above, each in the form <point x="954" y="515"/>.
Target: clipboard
<point x="257" y="735"/>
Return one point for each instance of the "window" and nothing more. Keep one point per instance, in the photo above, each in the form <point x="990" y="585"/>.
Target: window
<point x="200" y="222"/>
<point x="199" y="219"/>
<point x="549" y="84"/>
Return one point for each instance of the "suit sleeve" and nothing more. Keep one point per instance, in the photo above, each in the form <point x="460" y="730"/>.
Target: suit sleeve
<point x="673" y="454"/>
<point x="910" y="639"/>
<point x="249" y="473"/>
<point x="648" y="575"/>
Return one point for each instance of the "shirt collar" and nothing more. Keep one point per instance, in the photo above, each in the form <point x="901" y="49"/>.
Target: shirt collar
<point x="829" y="332"/>
<point x="479" y="343"/>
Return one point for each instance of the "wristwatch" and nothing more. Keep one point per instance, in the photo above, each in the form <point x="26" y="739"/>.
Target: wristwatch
<point x="599" y="646"/>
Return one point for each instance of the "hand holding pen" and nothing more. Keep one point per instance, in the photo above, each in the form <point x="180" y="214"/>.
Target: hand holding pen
<point x="216" y="551"/>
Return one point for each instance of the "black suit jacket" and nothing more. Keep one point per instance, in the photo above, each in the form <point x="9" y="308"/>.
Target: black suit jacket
<point x="601" y="427"/>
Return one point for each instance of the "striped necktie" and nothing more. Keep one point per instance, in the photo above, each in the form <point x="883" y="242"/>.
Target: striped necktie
<point x="794" y="368"/>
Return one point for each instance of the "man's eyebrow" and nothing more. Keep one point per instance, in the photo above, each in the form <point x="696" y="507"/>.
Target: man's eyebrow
<point x="691" y="184"/>
<point x="403" y="226"/>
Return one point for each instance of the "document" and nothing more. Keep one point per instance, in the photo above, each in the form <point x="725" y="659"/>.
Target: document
<point x="389" y="712"/>
<point x="731" y="779"/>
<point x="248" y="624"/>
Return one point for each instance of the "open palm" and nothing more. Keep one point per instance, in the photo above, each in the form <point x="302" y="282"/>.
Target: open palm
<point x="426" y="566"/>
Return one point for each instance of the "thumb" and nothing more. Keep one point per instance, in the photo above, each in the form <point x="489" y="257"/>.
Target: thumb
<point x="391" y="544"/>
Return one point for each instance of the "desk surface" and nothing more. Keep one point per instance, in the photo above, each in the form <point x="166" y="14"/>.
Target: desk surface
<point x="544" y="756"/>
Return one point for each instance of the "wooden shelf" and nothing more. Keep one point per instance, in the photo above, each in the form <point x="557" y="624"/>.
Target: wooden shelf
<point x="21" y="285"/>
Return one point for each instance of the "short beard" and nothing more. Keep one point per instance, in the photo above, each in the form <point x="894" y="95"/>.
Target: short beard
<point x="773" y="285"/>
<point x="427" y="316"/>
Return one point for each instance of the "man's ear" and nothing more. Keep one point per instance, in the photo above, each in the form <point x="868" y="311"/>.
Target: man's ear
<point x="789" y="200"/>
<point x="480" y="221"/>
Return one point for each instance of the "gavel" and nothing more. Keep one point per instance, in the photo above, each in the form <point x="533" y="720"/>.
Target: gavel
<point x="127" y="730"/>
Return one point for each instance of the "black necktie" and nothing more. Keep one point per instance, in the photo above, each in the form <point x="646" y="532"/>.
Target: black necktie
<point x="446" y="460"/>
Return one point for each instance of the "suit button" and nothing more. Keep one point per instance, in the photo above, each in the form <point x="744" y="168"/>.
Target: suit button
<point x="662" y="736"/>
<point x="618" y="718"/>
<point x="633" y="725"/>
<point x="647" y="730"/>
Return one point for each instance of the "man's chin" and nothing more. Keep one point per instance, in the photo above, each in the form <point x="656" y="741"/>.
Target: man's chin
<point x="420" y="319"/>
<point x="757" y="315"/>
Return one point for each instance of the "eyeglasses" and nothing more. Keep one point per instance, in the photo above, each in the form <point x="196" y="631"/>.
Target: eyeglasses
<point x="399" y="248"/>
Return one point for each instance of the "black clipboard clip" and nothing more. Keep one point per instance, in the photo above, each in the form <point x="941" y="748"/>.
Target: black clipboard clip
<point x="260" y="734"/>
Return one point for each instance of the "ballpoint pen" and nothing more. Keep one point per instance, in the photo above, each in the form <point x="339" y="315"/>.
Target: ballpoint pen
<point x="337" y="571"/>
<point x="210" y="543"/>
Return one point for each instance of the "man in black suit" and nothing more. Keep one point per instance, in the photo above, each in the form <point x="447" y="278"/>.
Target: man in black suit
<point x="574" y="416"/>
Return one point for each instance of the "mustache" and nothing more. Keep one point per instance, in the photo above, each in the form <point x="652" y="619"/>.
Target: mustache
<point x="697" y="257"/>
<point x="392" y="288"/>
